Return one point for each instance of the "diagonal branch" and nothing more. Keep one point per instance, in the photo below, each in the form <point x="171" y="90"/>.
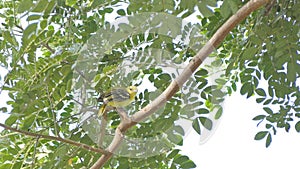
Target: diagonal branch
<point x="213" y="43"/>
<point x="39" y="136"/>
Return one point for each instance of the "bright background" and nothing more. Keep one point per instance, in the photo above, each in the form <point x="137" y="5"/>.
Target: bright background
<point x="233" y="146"/>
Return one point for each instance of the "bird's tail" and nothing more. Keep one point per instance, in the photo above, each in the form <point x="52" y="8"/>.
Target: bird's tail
<point x="101" y="110"/>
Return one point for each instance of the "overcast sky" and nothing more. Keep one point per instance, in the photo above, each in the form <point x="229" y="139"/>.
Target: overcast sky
<point x="233" y="145"/>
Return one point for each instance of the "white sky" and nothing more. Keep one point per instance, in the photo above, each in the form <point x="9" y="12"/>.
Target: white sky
<point x="233" y="145"/>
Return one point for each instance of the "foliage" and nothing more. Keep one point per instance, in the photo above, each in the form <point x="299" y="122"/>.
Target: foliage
<point x="54" y="79"/>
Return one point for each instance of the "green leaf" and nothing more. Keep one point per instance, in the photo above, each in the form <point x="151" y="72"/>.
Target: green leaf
<point x="40" y="6"/>
<point x="181" y="159"/>
<point x="268" y="126"/>
<point x="33" y="17"/>
<point x="108" y="10"/>
<point x="267" y="101"/>
<point x="233" y="85"/>
<point x="196" y="125"/>
<point x="11" y="120"/>
<point x="247" y="88"/>
<point x="173" y="153"/>
<point x="205" y="11"/>
<point x="260" y="135"/>
<point x="188" y="165"/>
<point x="291" y="71"/>
<point x="5" y="166"/>
<point x="225" y="10"/>
<point x="28" y="122"/>
<point x="121" y="12"/>
<point x="260" y="92"/>
<point x="259" y="117"/>
<point x="62" y="91"/>
<point x="269" y="140"/>
<point x="208" y="104"/>
<point x="71" y="2"/>
<point x="219" y="113"/>
<point x="268" y="110"/>
<point x="7" y="36"/>
<point x="56" y="95"/>
<point x="221" y="81"/>
<point x="297" y="126"/>
<point x="25" y="5"/>
<point x="297" y="114"/>
<point x="249" y="53"/>
<point x="43" y="24"/>
<point x="259" y="100"/>
<point x="201" y="72"/>
<point x="206" y="122"/>
<point x="203" y="111"/>
<point x="29" y="32"/>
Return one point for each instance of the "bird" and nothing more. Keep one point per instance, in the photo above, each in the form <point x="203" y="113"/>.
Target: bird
<point x="117" y="97"/>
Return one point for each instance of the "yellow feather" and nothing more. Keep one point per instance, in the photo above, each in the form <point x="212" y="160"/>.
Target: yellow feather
<point x="118" y="97"/>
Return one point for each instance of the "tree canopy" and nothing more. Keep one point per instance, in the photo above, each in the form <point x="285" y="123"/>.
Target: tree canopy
<point x="60" y="56"/>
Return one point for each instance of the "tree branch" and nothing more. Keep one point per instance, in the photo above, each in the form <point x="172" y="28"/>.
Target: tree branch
<point x="98" y="150"/>
<point x="213" y="43"/>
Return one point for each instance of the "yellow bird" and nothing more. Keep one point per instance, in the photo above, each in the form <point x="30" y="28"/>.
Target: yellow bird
<point x="117" y="97"/>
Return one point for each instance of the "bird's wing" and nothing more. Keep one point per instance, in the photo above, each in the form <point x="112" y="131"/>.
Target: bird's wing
<point x="117" y="95"/>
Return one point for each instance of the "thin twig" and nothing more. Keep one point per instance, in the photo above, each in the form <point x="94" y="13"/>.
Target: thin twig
<point x="34" y="152"/>
<point x="87" y="147"/>
<point x="53" y="113"/>
<point x="46" y="45"/>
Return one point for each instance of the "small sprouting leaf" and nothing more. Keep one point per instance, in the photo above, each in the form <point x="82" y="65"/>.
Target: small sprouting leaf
<point x="260" y="135"/>
<point x="208" y="104"/>
<point x="206" y="122"/>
